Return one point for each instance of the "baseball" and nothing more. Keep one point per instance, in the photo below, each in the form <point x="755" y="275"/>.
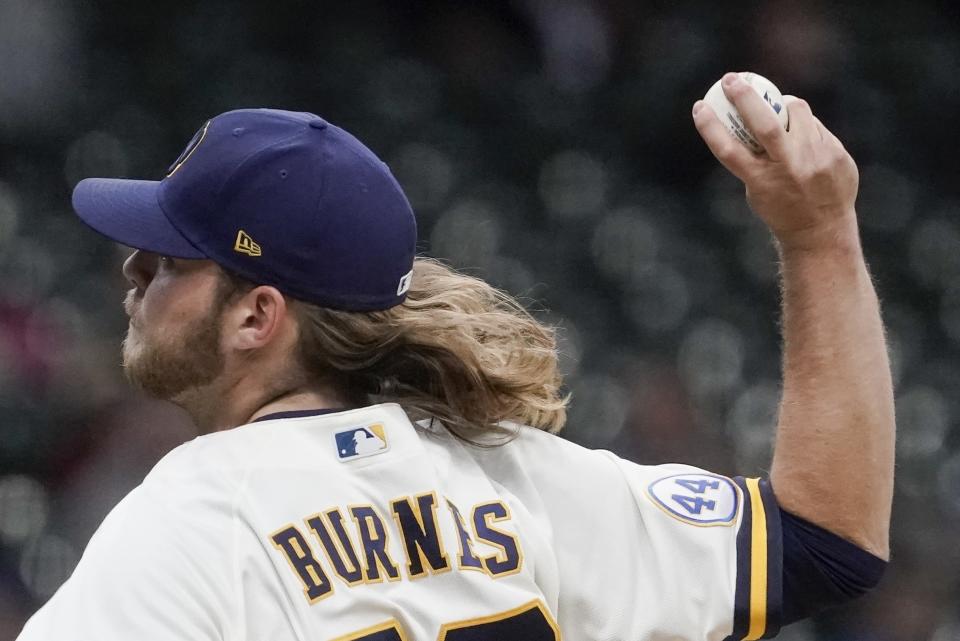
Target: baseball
<point x="729" y="116"/>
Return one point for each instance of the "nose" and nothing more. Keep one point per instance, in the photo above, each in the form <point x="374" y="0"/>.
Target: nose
<point x="139" y="268"/>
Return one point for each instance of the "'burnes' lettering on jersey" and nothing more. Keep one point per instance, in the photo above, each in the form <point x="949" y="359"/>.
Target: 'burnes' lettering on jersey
<point x="355" y="544"/>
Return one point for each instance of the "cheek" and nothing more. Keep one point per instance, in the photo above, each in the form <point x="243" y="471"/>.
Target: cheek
<point x="163" y="306"/>
<point x="172" y="302"/>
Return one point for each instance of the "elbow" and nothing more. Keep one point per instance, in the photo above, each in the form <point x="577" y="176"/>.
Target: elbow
<point x="822" y="569"/>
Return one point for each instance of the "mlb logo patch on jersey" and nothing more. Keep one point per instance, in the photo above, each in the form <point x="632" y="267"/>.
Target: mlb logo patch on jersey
<point x="357" y="442"/>
<point x="697" y="498"/>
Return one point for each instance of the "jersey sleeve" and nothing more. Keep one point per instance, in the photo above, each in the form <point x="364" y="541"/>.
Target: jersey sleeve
<point x="155" y="569"/>
<point x="758" y="598"/>
<point x="720" y="542"/>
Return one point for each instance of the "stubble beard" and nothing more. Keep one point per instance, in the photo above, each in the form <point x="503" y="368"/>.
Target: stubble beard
<point x="171" y="366"/>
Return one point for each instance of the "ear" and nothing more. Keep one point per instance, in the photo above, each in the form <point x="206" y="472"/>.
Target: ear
<point x="255" y="320"/>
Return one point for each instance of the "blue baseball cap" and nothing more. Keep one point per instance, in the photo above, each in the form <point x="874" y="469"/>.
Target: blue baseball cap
<point x="280" y="198"/>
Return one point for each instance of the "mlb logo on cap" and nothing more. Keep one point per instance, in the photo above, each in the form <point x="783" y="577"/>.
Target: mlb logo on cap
<point x="357" y="442"/>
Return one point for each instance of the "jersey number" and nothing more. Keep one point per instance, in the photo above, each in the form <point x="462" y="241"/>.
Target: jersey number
<point x="699" y="486"/>
<point x="529" y="622"/>
<point x="695" y="504"/>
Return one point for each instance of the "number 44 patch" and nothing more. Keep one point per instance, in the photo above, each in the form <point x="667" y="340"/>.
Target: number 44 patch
<point x="698" y="498"/>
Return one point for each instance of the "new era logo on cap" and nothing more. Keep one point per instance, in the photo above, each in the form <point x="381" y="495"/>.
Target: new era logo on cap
<point x="357" y="442"/>
<point x="245" y="245"/>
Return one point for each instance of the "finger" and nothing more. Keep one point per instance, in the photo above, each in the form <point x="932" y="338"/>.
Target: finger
<point x="728" y="150"/>
<point x="757" y="115"/>
<point x="802" y="122"/>
<point x="825" y="133"/>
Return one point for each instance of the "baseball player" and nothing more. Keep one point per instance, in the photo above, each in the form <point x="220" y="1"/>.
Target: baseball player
<point x="377" y="462"/>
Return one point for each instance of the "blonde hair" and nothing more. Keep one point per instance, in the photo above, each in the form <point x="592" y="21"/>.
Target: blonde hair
<point x="457" y="350"/>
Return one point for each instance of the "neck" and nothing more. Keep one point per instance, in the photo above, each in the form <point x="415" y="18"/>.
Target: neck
<point x="305" y="400"/>
<point x="246" y="400"/>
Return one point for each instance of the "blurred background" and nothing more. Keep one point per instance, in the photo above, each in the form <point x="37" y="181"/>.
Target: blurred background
<point x="547" y="146"/>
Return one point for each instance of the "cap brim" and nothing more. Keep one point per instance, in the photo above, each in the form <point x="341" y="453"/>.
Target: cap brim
<point x="129" y="212"/>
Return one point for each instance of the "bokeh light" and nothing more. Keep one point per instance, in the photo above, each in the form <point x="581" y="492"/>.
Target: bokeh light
<point x="23" y="508"/>
<point x="573" y="184"/>
<point x="46" y="563"/>
<point x="711" y="358"/>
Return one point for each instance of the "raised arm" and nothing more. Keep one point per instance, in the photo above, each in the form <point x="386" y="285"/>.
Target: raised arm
<point x="834" y="455"/>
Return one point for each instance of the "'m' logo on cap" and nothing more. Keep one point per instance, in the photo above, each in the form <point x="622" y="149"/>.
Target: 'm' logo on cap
<point x="191" y="147"/>
<point x="245" y="245"/>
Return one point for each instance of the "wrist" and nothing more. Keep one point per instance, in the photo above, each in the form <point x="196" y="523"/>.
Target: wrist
<point x="838" y="236"/>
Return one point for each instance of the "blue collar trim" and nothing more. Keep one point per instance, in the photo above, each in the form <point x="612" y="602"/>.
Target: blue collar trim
<point x="296" y="414"/>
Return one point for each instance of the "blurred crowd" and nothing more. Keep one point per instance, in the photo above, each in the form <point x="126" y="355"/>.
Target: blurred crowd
<point x="547" y="146"/>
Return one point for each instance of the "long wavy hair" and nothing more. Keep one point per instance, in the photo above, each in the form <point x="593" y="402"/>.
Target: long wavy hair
<point x="457" y="351"/>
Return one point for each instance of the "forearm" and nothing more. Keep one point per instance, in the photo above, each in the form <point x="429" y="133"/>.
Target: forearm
<point x="833" y="462"/>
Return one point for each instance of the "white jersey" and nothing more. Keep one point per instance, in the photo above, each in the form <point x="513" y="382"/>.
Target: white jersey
<point x="361" y="526"/>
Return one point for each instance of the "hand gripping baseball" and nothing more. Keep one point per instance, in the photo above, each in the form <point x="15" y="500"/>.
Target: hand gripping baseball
<point x="804" y="185"/>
